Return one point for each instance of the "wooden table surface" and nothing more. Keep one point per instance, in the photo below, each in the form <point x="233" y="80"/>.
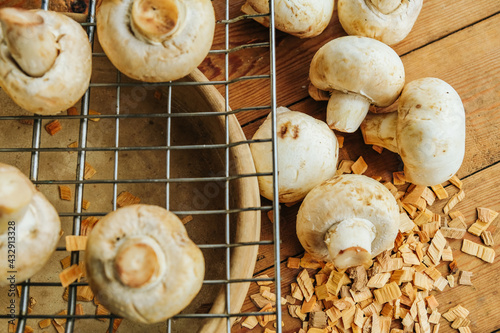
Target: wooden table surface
<point x="457" y="41"/>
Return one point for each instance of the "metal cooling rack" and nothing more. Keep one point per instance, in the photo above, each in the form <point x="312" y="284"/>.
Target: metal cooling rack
<point x="82" y="150"/>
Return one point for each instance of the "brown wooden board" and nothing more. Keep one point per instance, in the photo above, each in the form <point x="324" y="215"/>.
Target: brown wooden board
<point x="455" y="41"/>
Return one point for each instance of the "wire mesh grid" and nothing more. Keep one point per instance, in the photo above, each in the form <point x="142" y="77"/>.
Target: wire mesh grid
<point x="116" y="149"/>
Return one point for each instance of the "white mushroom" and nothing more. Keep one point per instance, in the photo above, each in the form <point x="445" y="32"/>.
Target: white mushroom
<point x="358" y="71"/>
<point x="307" y="155"/>
<point x="428" y="131"/>
<point x="348" y="220"/>
<point x="388" y="21"/>
<point x="301" y="18"/>
<point x="45" y="59"/>
<point x="29" y="227"/>
<point x="156" y="40"/>
<point x="142" y="265"/>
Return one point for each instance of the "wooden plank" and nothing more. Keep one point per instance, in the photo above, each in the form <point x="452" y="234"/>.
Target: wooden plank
<point x="468" y="60"/>
<point x="437" y="19"/>
<point x="480" y="299"/>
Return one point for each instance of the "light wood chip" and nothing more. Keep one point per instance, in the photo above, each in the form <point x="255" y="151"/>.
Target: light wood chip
<point x="434" y="317"/>
<point x="53" y="127"/>
<point x="436" y="248"/>
<point x="455" y="199"/>
<point x="398" y="178"/>
<point x="259" y="300"/>
<point x="65" y="262"/>
<point x="447" y="254"/>
<point x="340" y="140"/>
<point x="486" y="215"/>
<point x="455" y="312"/>
<point x="405" y="223"/>
<point x="487" y="238"/>
<point x="390" y="186"/>
<point x="453" y="233"/>
<point x="465" y="329"/>
<point x="250" y="322"/>
<point x="308" y="305"/>
<point x="305" y="285"/>
<point x="465" y="277"/>
<point x="84" y="294"/>
<point x="87" y="225"/>
<point x="433" y="273"/>
<point x="65" y="192"/>
<point x="307" y="261"/>
<point x="410" y="209"/>
<point x="362" y="295"/>
<point x="70" y="275"/>
<point x="387" y="293"/>
<point x="333" y="314"/>
<point x="456" y="181"/>
<point x="296" y="292"/>
<point x="359" y="167"/>
<point x="431" y="228"/>
<point x="422" y="317"/>
<point x="76" y="243"/>
<point x="186" y="219"/>
<point x="413" y="194"/>
<point x="451" y="280"/>
<point x="126" y="198"/>
<point x="440" y="191"/>
<point x="72" y="145"/>
<point x="79" y="309"/>
<point x="94" y="113"/>
<point x="460" y="322"/>
<point x="429" y="196"/>
<point x="317" y="319"/>
<point x="344" y="167"/>
<point x="457" y="222"/>
<point x="116" y="324"/>
<point x="293" y="263"/>
<point x="378" y="280"/>
<point x="335" y="281"/>
<point x="423" y="217"/>
<point x="44" y="323"/>
<point x="85" y="204"/>
<point x="89" y="171"/>
<point x="422" y="281"/>
<point x="455" y="214"/>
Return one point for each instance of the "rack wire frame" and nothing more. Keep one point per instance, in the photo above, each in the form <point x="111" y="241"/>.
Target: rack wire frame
<point x="82" y="150"/>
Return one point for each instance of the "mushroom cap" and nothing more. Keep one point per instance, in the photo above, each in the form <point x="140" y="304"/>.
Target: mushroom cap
<point x="363" y="18"/>
<point x="64" y="83"/>
<point x="300" y="18"/>
<point x="346" y="197"/>
<point x="177" y="56"/>
<point x="307" y="154"/>
<point x="37" y="226"/>
<point x="430" y="131"/>
<point x="142" y="265"/>
<point x="359" y="65"/>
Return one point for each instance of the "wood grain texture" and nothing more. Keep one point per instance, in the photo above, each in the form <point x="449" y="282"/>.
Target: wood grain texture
<point x="437" y="19"/>
<point x="459" y="43"/>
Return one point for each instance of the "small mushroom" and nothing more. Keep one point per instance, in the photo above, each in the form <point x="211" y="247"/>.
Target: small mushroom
<point x="388" y="21"/>
<point x="428" y="131"/>
<point x="307" y="155"/>
<point x="29" y="227"/>
<point x="357" y="71"/>
<point x="45" y="59"/>
<point x="348" y="220"/>
<point x="301" y="18"/>
<point x="142" y="265"/>
<point x="156" y="40"/>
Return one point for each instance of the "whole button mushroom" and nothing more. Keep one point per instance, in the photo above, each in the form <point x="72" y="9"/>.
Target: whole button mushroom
<point x="45" y="59"/>
<point x="428" y="131"/>
<point x="307" y="155"/>
<point x="301" y="18"/>
<point x="156" y="40"/>
<point x="388" y="21"/>
<point x="357" y="71"/>
<point x="142" y="265"/>
<point x="29" y="226"/>
<point x="348" y="220"/>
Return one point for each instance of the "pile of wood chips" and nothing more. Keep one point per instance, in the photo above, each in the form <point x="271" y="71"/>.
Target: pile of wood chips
<point x="395" y="291"/>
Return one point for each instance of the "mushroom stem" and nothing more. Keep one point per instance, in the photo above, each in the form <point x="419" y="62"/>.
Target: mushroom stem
<point x="137" y="262"/>
<point x="386" y="6"/>
<point x="30" y="42"/>
<point x="380" y="130"/>
<point x="346" y="111"/>
<point x="154" y="21"/>
<point x="349" y="242"/>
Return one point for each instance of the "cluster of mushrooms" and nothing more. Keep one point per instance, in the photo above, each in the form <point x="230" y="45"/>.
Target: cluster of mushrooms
<point x="46" y="57"/>
<point x="350" y="219"/>
<point x="45" y="67"/>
